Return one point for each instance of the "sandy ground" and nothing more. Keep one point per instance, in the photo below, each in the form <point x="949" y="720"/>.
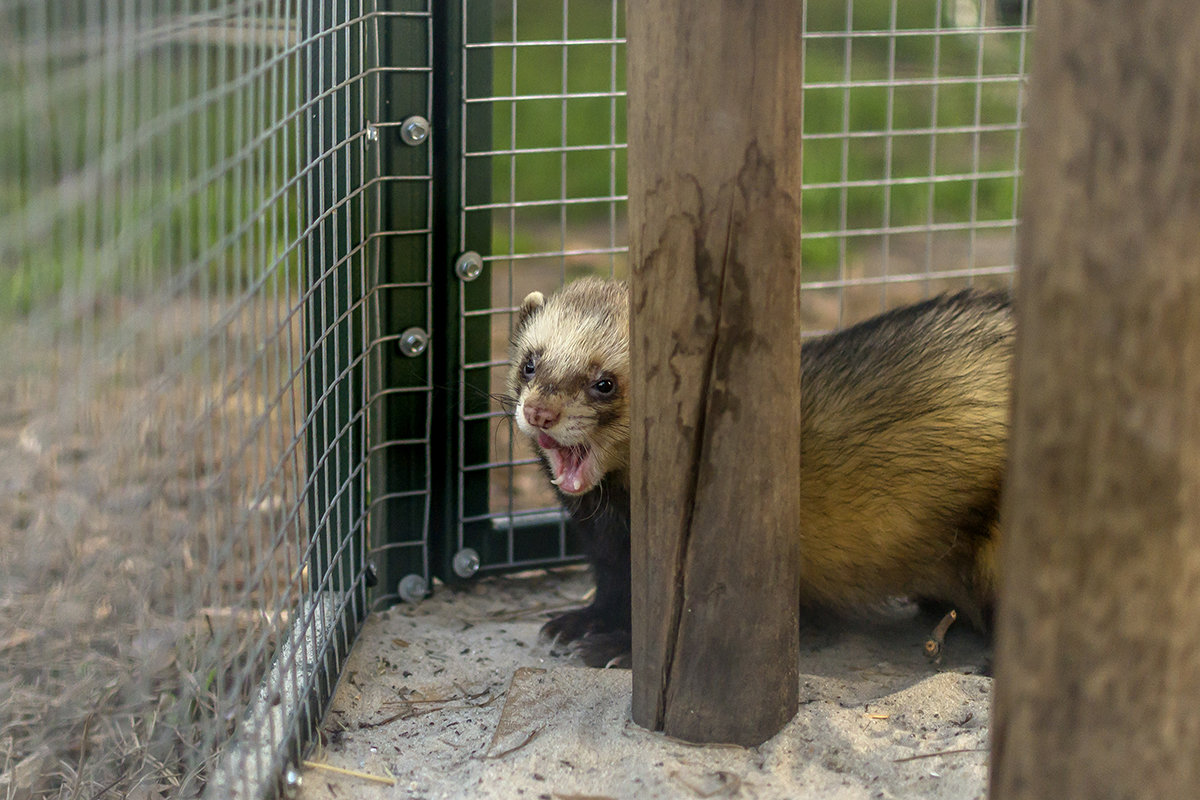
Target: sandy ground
<point x="456" y="698"/>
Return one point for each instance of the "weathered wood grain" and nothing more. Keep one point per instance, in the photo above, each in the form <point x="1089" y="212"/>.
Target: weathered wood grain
<point x="714" y="162"/>
<point x="1098" y="652"/>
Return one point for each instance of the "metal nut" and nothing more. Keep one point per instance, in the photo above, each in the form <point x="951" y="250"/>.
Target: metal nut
<point x="413" y="342"/>
<point x="414" y="130"/>
<point x="465" y="563"/>
<point x="469" y="266"/>
<point x="412" y="588"/>
<point x="292" y="781"/>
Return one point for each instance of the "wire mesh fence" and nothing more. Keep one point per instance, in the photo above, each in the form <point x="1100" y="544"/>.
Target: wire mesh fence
<point x="258" y="265"/>
<point x="184" y="442"/>
<point x="549" y="205"/>
<point x="912" y="137"/>
<point x="913" y="119"/>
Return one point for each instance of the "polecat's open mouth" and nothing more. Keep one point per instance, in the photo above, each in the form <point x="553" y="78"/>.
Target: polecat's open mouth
<point x="573" y="466"/>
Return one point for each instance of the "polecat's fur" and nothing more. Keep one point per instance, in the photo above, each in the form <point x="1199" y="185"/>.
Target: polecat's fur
<point x="904" y="430"/>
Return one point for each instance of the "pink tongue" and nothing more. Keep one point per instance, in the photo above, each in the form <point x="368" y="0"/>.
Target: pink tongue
<point x="569" y="463"/>
<point x="572" y="465"/>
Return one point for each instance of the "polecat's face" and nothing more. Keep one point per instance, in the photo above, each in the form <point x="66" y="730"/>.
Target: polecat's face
<point x="569" y="376"/>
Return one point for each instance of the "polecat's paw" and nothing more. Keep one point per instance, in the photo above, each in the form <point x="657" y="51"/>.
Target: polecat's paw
<point x="606" y="650"/>
<point x="592" y="635"/>
<point x="574" y="625"/>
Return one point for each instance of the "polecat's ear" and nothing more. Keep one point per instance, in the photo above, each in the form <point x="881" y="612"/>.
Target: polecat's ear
<point x="532" y="304"/>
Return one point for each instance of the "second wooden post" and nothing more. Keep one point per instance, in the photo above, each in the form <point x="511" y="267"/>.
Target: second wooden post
<point x="714" y="206"/>
<point x="1098" y="634"/>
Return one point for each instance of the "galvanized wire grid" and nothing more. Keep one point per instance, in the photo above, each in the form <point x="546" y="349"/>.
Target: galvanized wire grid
<point x="182" y="230"/>
<point x="912" y="137"/>
<point x="556" y="209"/>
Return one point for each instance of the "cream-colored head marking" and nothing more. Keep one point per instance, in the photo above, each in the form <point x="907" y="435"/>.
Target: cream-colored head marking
<point x="569" y="376"/>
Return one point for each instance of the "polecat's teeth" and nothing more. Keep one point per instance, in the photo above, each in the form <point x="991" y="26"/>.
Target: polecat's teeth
<point x="557" y="481"/>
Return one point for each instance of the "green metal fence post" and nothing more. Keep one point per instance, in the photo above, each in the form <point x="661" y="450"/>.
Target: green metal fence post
<point x="456" y="24"/>
<point x="405" y="133"/>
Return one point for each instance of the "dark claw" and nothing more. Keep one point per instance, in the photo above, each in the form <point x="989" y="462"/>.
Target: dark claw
<point x="591" y="635"/>
<point x="605" y="649"/>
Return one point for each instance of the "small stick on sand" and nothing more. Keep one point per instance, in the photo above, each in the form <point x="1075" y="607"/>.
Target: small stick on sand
<point x="941" y="753"/>
<point x="366" y="776"/>
<point x="532" y="735"/>
<point x="933" y="645"/>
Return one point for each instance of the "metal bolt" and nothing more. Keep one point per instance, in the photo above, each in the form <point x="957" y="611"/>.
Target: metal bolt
<point x="372" y="133"/>
<point x="412" y="588"/>
<point x="292" y="781"/>
<point x="414" y="130"/>
<point x="413" y="342"/>
<point x="372" y="575"/>
<point x="465" y="563"/>
<point x="469" y="266"/>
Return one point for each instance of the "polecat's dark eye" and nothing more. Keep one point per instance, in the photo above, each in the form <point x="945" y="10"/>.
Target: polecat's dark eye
<point x="604" y="387"/>
<point x="529" y="368"/>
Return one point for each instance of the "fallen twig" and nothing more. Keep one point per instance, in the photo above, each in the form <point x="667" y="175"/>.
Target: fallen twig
<point x="409" y="709"/>
<point x="933" y="646"/>
<point x="941" y="753"/>
<point x="106" y="789"/>
<point x="366" y="776"/>
<point x="532" y="611"/>
<point x="532" y="735"/>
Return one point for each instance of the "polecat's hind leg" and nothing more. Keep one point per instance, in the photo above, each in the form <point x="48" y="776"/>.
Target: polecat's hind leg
<point x="987" y="574"/>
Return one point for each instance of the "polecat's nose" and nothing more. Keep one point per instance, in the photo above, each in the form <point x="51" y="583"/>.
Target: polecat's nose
<point x="540" y="416"/>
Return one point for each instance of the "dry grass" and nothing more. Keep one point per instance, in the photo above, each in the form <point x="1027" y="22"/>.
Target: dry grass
<point x="122" y="662"/>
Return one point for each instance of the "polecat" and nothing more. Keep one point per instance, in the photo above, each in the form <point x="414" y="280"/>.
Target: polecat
<point x="903" y="437"/>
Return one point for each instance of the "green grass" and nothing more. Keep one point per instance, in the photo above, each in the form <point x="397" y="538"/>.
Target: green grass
<point x="579" y="121"/>
<point x="552" y="123"/>
<point x="152" y="217"/>
<point x="121" y="176"/>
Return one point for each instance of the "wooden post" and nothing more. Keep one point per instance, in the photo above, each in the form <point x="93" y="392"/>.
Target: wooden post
<point x="714" y="206"/>
<point x="1098" y="652"/>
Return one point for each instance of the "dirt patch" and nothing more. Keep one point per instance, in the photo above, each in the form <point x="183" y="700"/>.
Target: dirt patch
<point x="457" y="698"/>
